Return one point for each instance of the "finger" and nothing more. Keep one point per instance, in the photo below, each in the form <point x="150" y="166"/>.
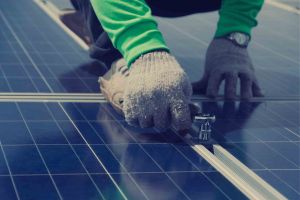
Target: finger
<point x="180" y="115"/>
<point x="187" y="88"/>
<point x="246" y="83"/>
<point x="257" y="91"/>
<point x="200" y="86"/>
<point x="130" y="117"/>
<point x="146" y="121"/>
<point x="214" y="82"/>
<point x="230" y="85"/>
<point x="194" y="109"/>
<point x="162" y="119"/>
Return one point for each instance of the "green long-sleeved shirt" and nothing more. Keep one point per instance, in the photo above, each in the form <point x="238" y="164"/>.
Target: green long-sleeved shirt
<point x="133" y="30"/>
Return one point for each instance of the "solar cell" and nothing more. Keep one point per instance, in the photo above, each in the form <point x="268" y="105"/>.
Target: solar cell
<point x="7" y="190"/>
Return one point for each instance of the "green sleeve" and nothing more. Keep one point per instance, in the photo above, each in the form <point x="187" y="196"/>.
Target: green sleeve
<point x="238" y="16"/>
<point x="130" y="26"/>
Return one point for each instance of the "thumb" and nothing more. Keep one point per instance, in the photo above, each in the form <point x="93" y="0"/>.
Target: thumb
<point x="180" y="114"/>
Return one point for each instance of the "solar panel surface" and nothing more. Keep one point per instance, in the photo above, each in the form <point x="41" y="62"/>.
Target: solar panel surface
<point x="263" y="136"/>
<point x="36" y="54"/>
<point x="44" y="156"/>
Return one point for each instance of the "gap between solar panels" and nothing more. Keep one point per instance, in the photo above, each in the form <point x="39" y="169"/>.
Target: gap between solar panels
<point x="231" y="168"/>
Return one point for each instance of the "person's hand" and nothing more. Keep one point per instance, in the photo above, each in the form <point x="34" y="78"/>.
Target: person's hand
<point x="158" y="92"/>
<point x="229" y="62"/>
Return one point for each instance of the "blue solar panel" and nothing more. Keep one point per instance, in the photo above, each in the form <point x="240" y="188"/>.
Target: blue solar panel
<point x="28" y="40"/>
<point x="265" y="137"/>
<point x="44" y="156"/>
<point x="44" y="146"/>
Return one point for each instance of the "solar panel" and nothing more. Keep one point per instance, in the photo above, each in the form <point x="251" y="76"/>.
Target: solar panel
<point x="41" y="146"/>
<point x="265" y="137"/>
<point x="34" y="41"/>
<point x="87" y="151"/>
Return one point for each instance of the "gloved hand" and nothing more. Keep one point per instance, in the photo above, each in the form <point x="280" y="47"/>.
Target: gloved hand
<point x="157" y="93"/>
<point x="229" y="62"/>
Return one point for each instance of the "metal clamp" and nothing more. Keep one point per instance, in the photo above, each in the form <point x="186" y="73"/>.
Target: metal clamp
<point x="204" y="133"/>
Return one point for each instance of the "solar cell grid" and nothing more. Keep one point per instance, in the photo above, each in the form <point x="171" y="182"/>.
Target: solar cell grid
<point x="42" y="44"/>
<point x="51" y="156"/>
<point x="261" y="139"/>
<point x="113" y="160"/>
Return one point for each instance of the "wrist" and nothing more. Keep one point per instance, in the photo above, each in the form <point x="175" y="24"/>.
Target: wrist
<point x="156" y="61"/>
<point x="239" y="39"/>
<point x="151" y="54"/>
<point x="140" y="39"/>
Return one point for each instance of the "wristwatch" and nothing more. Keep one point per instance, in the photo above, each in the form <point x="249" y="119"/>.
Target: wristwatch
<point x="239" y="39"/>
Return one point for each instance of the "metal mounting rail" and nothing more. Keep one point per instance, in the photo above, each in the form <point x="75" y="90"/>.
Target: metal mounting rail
<point x="98" y="97"/>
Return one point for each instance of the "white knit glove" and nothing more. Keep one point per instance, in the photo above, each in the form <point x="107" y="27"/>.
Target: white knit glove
<point x="157" y="93"/>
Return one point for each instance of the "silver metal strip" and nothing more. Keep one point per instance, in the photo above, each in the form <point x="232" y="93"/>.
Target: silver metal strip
<point x="101" y="98"/>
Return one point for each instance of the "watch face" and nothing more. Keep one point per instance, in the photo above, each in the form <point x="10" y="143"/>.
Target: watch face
<point x="240" y="38"/>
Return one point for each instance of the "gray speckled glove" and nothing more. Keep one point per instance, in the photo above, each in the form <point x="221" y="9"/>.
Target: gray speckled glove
<point x="226" y="61"/>
<point x="157" y="93"/>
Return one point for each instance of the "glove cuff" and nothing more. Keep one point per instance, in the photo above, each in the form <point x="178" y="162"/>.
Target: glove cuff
<point x="223" y="45"/>
<point x="155" y="61"/>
